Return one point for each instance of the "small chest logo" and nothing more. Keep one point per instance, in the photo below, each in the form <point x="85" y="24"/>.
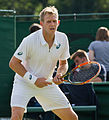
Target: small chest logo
<point x="58" y="46"/>
<point x="19" y="53"/>
<point x="30" y="77"/>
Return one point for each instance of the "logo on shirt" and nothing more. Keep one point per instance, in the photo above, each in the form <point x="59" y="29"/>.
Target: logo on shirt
<point x="30" y="77"/>
<point x="58" y="46"/>
<point x="19" y="53"/>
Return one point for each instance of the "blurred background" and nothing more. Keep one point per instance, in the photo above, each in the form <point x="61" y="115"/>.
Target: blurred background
<point x="80" y="20"/>
<point x="33" y="7"/>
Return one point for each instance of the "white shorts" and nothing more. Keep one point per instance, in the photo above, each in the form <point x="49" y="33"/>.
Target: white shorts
<point x="49" y="97"/>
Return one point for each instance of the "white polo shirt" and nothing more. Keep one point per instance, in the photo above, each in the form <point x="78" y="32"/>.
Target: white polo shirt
<point x="36" y="56"/>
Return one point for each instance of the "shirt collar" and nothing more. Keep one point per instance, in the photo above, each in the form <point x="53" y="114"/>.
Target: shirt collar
<point x="55" y="40"/>
<point x="43" y="42"/>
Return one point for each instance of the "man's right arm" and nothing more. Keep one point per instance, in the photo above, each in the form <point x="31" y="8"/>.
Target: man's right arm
<point x="16" y="66"/>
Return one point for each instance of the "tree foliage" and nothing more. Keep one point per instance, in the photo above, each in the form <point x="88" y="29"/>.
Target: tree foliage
<point x="83" y="6"/>
<point x="32" y="7"/>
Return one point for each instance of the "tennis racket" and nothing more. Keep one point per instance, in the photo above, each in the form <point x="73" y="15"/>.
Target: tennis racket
<point x="83" y="73"/>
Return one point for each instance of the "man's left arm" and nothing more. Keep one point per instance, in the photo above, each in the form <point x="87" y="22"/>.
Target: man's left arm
<point x="62" y="69"/>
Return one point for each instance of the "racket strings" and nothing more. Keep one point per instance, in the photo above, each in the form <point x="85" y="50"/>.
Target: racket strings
<point x="83" y="74"/>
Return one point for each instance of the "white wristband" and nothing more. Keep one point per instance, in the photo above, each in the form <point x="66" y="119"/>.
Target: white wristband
<point x="49" y="80"/>
<point x="31" y="78"/>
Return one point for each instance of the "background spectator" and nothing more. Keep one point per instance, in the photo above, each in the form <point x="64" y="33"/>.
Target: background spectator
<point x="80" y="56"/>
<point x="34" y="27"/>
<point x="99" y="49"/>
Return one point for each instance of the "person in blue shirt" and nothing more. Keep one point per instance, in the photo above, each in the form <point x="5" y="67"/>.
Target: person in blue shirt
<point x="99" y="49"/>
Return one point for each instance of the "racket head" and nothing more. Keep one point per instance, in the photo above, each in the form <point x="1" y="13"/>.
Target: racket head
<point x="84" y="73"/>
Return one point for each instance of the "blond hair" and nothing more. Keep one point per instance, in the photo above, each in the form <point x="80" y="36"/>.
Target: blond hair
<point x="48" y="10"/>
<point x="102" y="34"/>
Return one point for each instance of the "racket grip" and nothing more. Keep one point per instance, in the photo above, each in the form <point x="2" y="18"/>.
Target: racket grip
<point x="49" y="80"/>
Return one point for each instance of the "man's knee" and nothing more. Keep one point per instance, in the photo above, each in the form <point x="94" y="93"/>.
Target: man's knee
<point x="16" y="117"/>
<point x="17" y="113"/>
<point x="72" y="116"/>
<point x="75" y="117"/>
<point x="66" y="114"/>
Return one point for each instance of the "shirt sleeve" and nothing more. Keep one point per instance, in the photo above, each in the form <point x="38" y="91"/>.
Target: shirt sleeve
<point x="22" y="51"/>
<point x="91" y="46"/>
<point x="65" y="54"/>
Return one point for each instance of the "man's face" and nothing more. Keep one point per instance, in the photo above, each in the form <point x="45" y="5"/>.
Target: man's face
<point x="79" y="60"/>
<point x="50" y="23"/>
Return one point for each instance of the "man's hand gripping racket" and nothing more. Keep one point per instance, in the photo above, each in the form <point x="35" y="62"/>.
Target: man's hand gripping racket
<point x="83" y="73"/>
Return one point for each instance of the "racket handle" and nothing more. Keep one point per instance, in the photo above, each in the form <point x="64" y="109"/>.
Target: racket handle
<point x="49" y="80"/>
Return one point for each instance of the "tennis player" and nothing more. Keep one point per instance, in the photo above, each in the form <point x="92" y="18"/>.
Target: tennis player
<point x="34" y="62"/>
<point x="80" y="56"/>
